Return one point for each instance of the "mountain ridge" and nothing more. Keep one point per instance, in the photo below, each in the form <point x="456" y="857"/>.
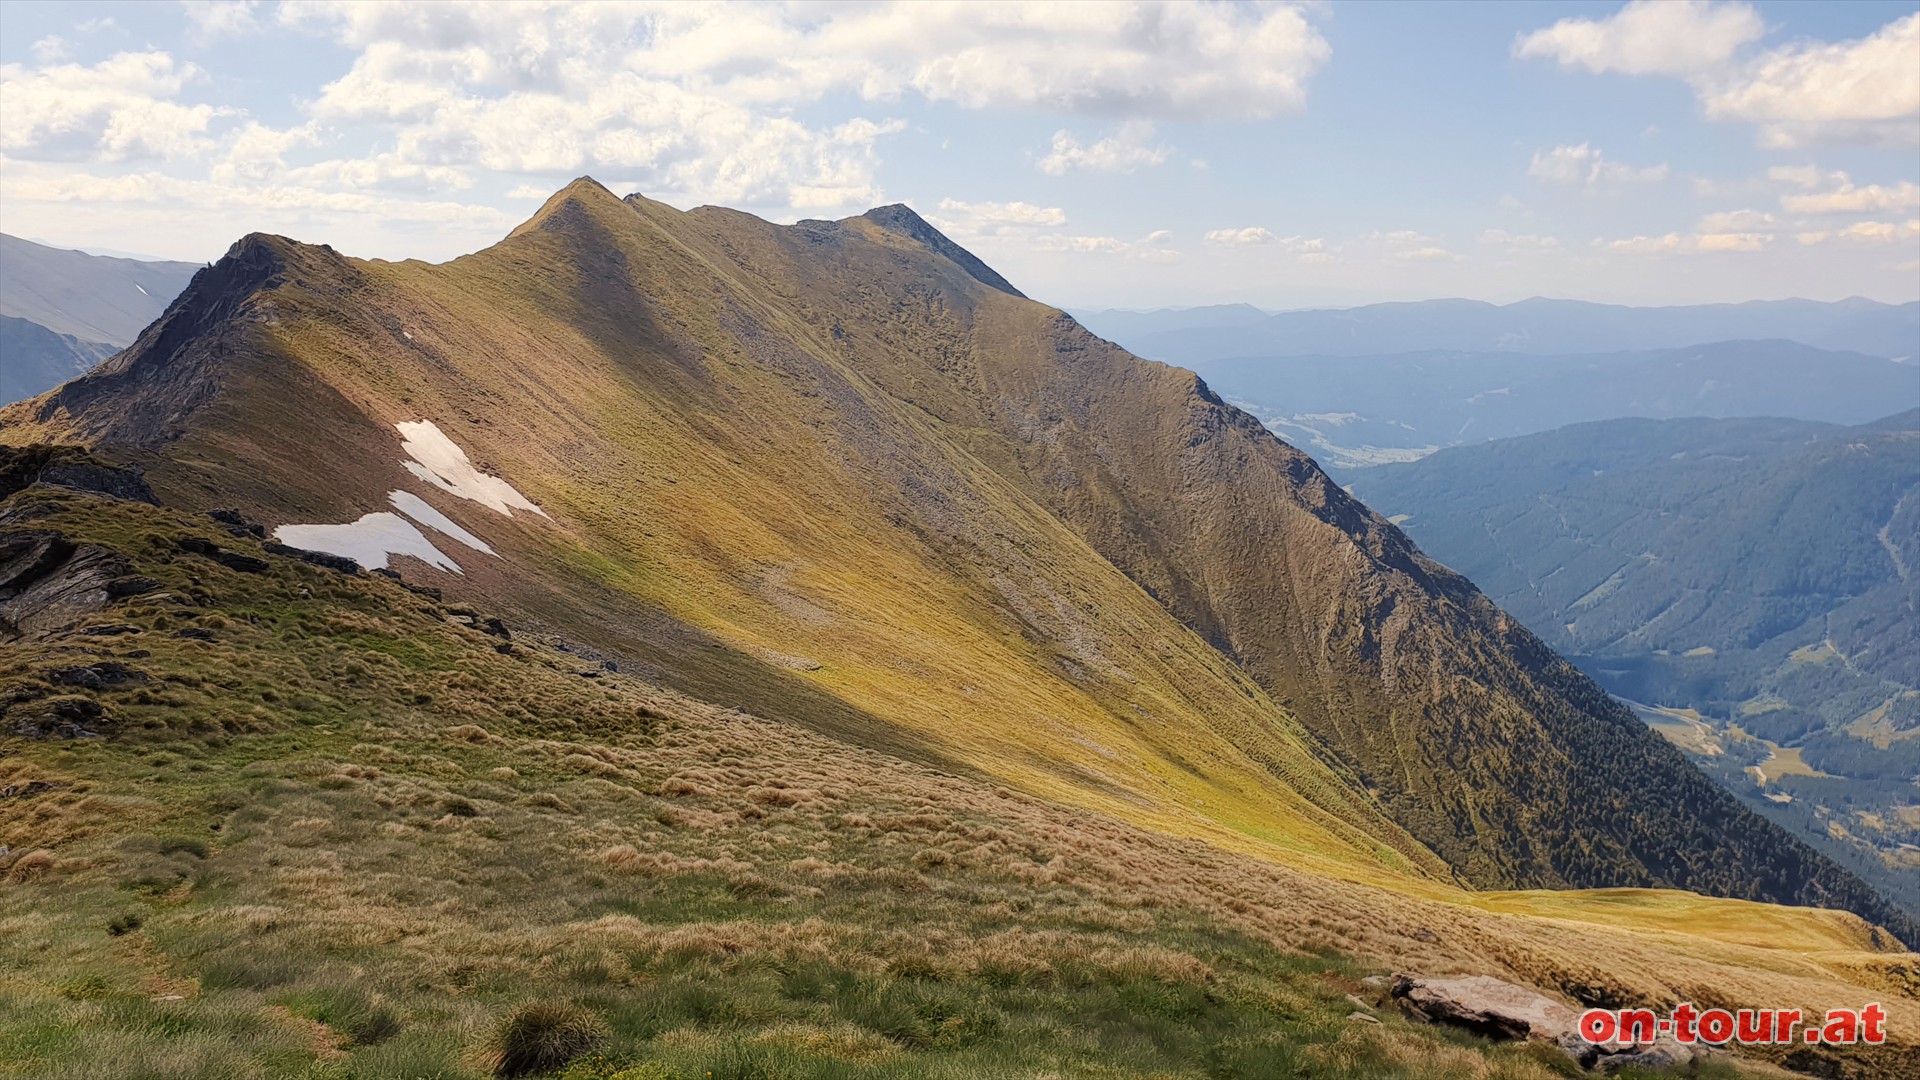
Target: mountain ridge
<point x="966" y="444"/>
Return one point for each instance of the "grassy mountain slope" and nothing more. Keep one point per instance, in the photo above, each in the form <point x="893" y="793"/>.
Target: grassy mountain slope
<point x="831" y="475"/>
<point x="336" y="828"/>
<point x="1758" y="573"/>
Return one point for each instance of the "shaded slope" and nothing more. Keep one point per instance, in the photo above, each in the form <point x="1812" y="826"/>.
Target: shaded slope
<point x="36" y="358"/>
<point x="1758" y="572"/>
<point x="89" y="297"/>
<point x="843" y="458"/>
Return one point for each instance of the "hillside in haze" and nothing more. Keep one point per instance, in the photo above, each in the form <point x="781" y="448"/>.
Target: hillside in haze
<point x="64" y="310"/>
<point x="1355" y="411"/>
<point x="1538" y="326"/>
<point x="805" y="602"/>
<point x="1755" y="579"/>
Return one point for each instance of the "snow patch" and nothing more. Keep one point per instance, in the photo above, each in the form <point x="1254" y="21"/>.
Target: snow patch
<point x="421" y="511"/>
<point x="369" y="541"/>
<point x="444" y="465"/>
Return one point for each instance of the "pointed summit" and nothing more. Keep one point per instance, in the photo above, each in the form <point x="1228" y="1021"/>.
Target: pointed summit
<point x="583" y="199"/>
<point x="900" y="219"/>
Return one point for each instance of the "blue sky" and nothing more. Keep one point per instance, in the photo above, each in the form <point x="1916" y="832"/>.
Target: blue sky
<point x="1132" y="155"/>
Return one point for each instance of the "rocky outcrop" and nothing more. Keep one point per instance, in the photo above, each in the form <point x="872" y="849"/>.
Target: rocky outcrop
<point x="69" y="467"/>
<point x="1501" y="1010"/>
<point x="48" y="583"/>
<point x="1485" y="1006"/>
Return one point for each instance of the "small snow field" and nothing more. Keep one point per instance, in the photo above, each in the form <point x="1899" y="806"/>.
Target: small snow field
<point x="369" y="541"/>
<point x="438" y="461"/>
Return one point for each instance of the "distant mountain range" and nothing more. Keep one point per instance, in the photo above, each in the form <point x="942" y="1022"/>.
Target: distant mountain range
<point x="1354" y="411"/>
<point x="1753" y="583"/>
<point x="1537" y="326"/>
<point x="65" y="310"/>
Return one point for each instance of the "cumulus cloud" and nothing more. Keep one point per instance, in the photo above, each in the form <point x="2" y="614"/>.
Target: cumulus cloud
<point x="1797" y="94"/>
<point x="977" y="215"/>
<point x="1846" y="198"/>
<point x="221" y="18"/>
<point x="1124" y="151"/>
<point x="1696" y="243"/>
<point x="1865" y="91"/>
<point x="1428" y="253"/>
<point x="1241" y="237"/>
<point x="1649" y="37"/>
<point x="124" y="107"/>
<point x="1586" y="166"/>
<point x="1869" y="232"/>
<point x="1731" y="221"/>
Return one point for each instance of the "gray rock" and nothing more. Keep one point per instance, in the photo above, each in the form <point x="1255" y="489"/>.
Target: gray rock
<point x="1486" y="1006"/>
<point x="48" y="583"/>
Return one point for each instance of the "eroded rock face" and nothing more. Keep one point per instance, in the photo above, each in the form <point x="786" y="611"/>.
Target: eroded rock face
<point x="48" y="583"/>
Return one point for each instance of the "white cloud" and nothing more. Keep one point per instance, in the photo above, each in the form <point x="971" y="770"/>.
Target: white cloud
<point x="1501" y="238"/>
<point x="1105" y="245"/>
<point x="1865" y="91"/>
<point x="1813" y="92"/>
<point x="1135" y="60"/>
<point x="1429" y="253"/>
<point x="50" y="49"/>
<point x="1806" y="176"/>
<point x="1649" y="37"/>
<point x="285" y="200"/>
<point x="117" y="109"/>
<point x="1869" y="232"/>
<point x="1696" y="243"/>
<point x="1003" y="213"/>
<point x="1731" y="221"/>
<point x="1644" y="245"/>
<point x="1241" y="237"/>
<point x="1845" y="198"/>
<point x="1124" y="151"/>
<point x="1732" y="241"/>
<point x="1586" y="166"/>
<point x="221" y="18"/>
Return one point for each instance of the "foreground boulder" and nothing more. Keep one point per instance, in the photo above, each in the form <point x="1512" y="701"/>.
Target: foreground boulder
<point x="1501" y="1010"/>
<point x="1485" y="1006"/>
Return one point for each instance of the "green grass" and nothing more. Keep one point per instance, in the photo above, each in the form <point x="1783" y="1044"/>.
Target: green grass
<point x="347" y="839"/>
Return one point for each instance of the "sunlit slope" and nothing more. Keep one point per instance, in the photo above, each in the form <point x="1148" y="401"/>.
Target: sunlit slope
<point x="1488" y="747"/>
<point x="830" y="474"/>
<point x="334" y="830"/>
<point x="740" y="512"/>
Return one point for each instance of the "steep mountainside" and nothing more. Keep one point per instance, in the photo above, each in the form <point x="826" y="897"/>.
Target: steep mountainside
<point x="37" y="359"/>
<point x="269" y="818"/>
<point x="61" y="312"/>
<point x="89" y="297"/>
<point x="1353" y="412"/>
<point x="1757" y="574"/>
<point x="835" y="474"/>
<point x="1541" y="326"/>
